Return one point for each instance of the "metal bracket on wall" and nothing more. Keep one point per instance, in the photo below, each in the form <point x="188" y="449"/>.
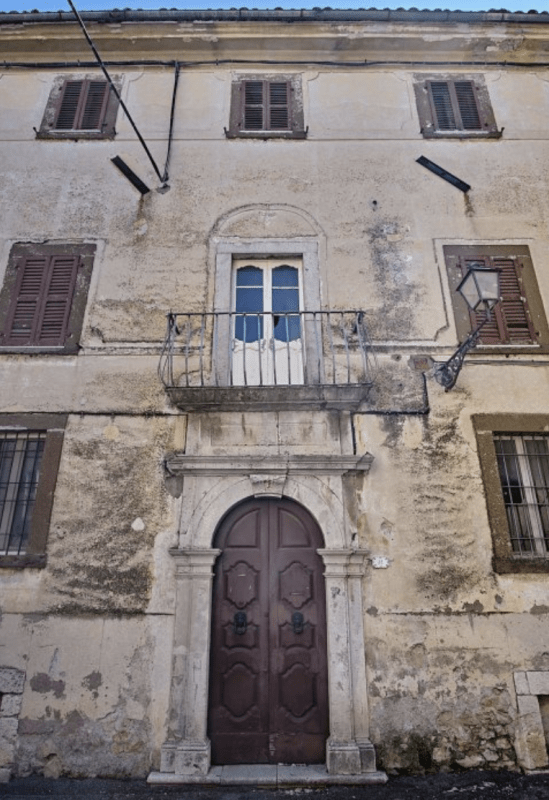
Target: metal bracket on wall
<point x="442" y="173"/>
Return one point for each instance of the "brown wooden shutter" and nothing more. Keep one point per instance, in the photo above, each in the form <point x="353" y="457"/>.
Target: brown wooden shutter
<point x="22" y="316"/>
<point x="95" y="105"/>
<point x="57" y="299"/>
<point x="279" y="105"/>
<point x="82" y="106"/>
<point x="455" y="105"/>
<point x="39" y="313"/>
<point x="266" y="105"/>
<point x="254" y="106"/>
<point x="467" y="105"/>
<point x="442" y="106"/>
<point x="68" y="107"/>
<point x="511" y="322"/>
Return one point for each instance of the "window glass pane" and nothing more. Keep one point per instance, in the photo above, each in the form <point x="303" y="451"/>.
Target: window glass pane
<point x="249" y="276"/>
<point x="285" y="276"/>
<point x="538" y="455"/>
<point x="285" y="298"/>
<point x="513" y="495"/>
<point x="249" y="298"/>
<point x="20" y="459"/>
<point x="509" y="471"/>
<point x="7" y="449"/>
<point x="524" y="473"/>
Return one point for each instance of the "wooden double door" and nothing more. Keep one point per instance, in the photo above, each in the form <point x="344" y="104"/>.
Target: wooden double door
<point x="268" y="673"/>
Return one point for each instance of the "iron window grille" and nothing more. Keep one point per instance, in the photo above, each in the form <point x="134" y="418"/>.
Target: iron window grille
<point x="523" y="462"/>
<point x="20" y="461"/>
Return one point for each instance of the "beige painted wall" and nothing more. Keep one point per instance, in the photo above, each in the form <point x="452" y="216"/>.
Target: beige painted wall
<point x="444" y="633"/>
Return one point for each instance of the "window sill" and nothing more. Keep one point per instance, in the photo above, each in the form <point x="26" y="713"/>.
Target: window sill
<point x="266" y="134"/>
<point x="54" y="350"/>
<point x="508" y="349"/>
<point x="75" y="135"/>
<point x="520" y="566"/>
<point x="433" y="134"/>
<point x="27" y="561"/>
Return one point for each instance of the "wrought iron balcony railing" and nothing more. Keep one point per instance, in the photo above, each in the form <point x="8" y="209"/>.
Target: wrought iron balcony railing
<point x="321" y="356"/>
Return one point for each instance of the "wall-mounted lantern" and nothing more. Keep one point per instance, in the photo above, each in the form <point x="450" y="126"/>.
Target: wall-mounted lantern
<point x="480" y="286"/>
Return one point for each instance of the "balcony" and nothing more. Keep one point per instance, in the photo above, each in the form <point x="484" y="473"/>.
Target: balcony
<point x="231" y="361"/>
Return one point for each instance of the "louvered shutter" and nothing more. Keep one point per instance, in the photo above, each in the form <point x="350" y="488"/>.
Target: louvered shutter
<point x="82" y="106"/>
<point x="279" y="106"/>
<point x="266" y="105"/>
<point x="94" y="106"/>
<point x="254" y="106"/>
<point x="57" y="299"/>
<point x="68" y="108"/>
<point x="467" y="105"/>
<point x="442" y="104"/>
<point x="511" y="322"/>
<point x="22" y="316"/>
<point x="455" y="105"/>
<point x="40" y="310"/>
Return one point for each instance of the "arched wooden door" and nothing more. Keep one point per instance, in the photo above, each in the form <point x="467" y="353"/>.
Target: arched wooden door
<point x="268" y="674"/>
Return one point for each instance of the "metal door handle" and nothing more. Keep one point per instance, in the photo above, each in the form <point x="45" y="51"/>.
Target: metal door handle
<point x="297" y="622"/>
<point x="240" y="623"/>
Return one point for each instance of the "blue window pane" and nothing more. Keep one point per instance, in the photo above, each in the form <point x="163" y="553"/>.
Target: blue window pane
<point x="287" y="328"/>
<point x="249" y="300"/>
<point x="285" y="276"/>
<point x="285" y="300"/>
<point x="248" y="329"/>
<point x="249" y="276"/>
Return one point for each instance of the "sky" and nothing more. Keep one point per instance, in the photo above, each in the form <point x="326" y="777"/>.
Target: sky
<point x="99" y="5"/>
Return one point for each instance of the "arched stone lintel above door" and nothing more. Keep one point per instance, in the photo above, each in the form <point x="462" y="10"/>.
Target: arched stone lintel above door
<point x="211" y="488"/>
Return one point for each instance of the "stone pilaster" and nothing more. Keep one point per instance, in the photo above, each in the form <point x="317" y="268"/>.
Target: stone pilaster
<point x="187" y="751"/>
<point x="348" y="750"/>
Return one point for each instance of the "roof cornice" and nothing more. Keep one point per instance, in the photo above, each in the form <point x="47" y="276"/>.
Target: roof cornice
<point x="279" y="15"/>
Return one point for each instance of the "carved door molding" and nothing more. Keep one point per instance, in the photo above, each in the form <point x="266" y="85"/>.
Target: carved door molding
<point x="319" y="488"/>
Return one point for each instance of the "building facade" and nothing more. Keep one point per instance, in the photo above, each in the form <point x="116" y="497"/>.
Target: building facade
<point x="241" y="520"/>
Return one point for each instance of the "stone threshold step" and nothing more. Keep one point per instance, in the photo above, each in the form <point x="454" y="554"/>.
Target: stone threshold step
<point x="268" y="775"/>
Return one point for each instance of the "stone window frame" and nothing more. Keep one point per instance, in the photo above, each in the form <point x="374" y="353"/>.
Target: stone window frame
<point x="298" y="130"/>
<point x="47" y="131"/>
<point x="504" y="560"/>
<point x="54" y="426"/>
<point x="86" y="252"/>
<point x="426" y="112"/>
<point x="451" y="253"/>
<point x="530" y="742"/>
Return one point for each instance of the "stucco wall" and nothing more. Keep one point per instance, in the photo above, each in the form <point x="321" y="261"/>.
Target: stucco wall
<point x="92" y="632"/>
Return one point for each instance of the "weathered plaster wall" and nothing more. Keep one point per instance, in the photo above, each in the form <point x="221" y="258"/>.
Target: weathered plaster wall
<point x="95" y="692"/>
<point x="444" y="633"/>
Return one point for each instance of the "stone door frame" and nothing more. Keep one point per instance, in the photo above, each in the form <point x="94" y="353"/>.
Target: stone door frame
<point x="317" y="484"/>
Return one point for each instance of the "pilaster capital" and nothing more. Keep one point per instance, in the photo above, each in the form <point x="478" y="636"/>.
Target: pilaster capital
<point x="344" y="563"/>
<point x="194" y="563"/>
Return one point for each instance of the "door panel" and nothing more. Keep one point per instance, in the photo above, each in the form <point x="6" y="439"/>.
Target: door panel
<point x="268" y="677"/>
